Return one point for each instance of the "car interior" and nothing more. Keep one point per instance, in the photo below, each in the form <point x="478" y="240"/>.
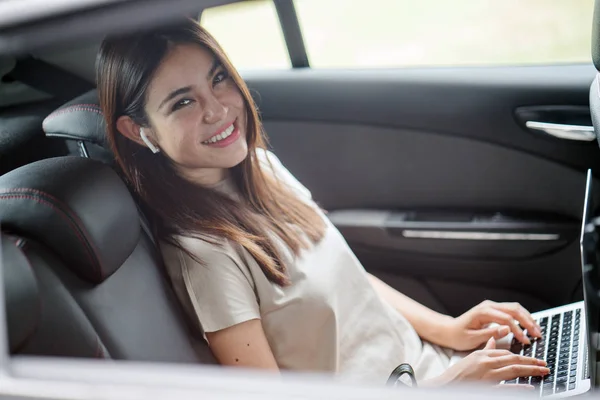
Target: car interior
<point x="450" y="184"/>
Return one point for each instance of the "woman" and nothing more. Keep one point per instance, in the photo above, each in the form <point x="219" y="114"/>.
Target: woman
<point x="264" y="276"/>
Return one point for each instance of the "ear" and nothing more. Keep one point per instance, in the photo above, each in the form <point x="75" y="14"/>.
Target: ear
<point x="131" y="130"/>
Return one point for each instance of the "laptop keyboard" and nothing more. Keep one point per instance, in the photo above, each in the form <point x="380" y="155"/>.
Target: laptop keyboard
<point x="559" y="347"/>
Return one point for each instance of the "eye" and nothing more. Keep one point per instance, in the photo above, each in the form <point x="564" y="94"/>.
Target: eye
<point x="220" y="77"/>
<point x="181" y="103"/>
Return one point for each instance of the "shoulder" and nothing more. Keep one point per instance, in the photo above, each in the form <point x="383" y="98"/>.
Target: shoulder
<point x="217" y="286"/>
<point x="194" y="245"/>
<point x="271" y="163"/>
<point x="203" y="256"/>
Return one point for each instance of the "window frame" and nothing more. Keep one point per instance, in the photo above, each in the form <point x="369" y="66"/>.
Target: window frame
<point x="292" y="33"/>
<point x="294" y="40"/>
<point x="290" y="27"/>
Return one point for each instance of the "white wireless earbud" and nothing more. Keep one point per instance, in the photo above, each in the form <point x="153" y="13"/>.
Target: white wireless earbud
<point x="152" y="147"/>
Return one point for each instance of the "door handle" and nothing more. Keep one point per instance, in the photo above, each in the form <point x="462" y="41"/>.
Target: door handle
<point x="564" y="131"/>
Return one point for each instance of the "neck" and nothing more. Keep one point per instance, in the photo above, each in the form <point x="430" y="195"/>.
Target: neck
<point x="206" y="176"/>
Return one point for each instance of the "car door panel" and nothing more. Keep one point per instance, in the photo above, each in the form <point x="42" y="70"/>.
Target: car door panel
<point x="454" y="297"/>
<point x="478" y="103"/>
<point x="358" y="166"/>
<point x="431" y="173"/>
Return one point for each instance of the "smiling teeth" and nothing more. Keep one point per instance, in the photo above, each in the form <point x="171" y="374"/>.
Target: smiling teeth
<point x="223" y="135"/>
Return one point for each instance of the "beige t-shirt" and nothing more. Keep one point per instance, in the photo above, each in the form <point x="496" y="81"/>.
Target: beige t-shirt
<point x="330" y="319"/>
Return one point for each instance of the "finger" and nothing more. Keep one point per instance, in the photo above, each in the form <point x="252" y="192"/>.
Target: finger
<point x="502" y="361"/>
<point x="491" y="314"/>
<point x="502" y="331"/>
<point x="523" y="316"/>
<point x="479" y="336"/>
<point x="497" y="332"/>
<point x="515" y="371"/>
<point x="519" y="313"/>
<point x="491" y="344"/>
<point x="498" y="353"/>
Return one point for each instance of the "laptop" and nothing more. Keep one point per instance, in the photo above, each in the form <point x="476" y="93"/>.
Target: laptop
<point x="567" y="331"/>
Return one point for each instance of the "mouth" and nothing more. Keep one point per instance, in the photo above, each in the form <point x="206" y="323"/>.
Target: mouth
<point x="223" y="136"/>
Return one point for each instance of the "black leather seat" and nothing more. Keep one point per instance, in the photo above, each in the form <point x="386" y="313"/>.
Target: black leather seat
<point x="22" y="139"/>
<point x="38" y="305"/>
<point x="97" y="272"/>
<point x="81" y="124"/>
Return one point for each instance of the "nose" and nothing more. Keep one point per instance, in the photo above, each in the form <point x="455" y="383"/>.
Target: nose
<point x="214" y="111"/>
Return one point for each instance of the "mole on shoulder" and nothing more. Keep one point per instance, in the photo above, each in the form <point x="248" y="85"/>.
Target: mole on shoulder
<point x="237" y="360"/>
<point x="248" y="345"/>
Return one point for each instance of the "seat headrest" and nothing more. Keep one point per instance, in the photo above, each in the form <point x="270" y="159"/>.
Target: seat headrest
<point x="79" y="119"/>
<point x="79" y="208"/>
<point x="21" y="293"/>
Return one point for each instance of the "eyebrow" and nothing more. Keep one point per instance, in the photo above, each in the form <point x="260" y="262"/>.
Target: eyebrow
<point x="174" y="94"/>
<point x="215" y="65"/>
<point x="213" y="68"/>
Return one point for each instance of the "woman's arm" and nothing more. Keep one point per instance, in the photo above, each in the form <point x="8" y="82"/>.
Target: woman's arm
<point x="468" y="331"/>
<point x="429" y="324"/>
<point x="243" y="345"/>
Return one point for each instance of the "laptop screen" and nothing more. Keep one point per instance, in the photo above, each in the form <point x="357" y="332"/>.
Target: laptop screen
<point x="590" y="246"/>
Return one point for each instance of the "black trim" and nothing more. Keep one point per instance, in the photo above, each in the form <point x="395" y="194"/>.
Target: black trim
<point x="397" y="373"/>
<point x="92" y="23"/>
<point x="292" y="33"/>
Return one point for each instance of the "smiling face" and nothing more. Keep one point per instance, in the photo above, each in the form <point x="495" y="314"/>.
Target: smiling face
<point x="197" y="114"/>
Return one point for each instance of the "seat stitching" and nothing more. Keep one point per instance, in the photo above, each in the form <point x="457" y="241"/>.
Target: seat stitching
<point x="57" y="113"/>
<point x="77" y="107"/>
<point x="65" y="216"/>
<point x="94" y="261"/>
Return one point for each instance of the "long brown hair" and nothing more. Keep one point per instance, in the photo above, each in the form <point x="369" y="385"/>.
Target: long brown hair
<point x="178" y="207"/>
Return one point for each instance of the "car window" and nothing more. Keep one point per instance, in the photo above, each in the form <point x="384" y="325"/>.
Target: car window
<point x="250" y="34"/>
<point x="392" y="33"/>
<point x="408" y="33"/>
